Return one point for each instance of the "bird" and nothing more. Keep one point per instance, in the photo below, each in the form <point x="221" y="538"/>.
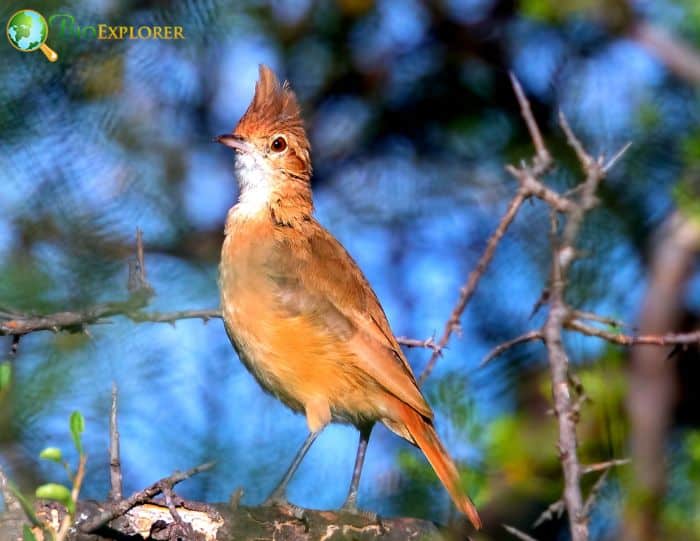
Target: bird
<point x="298" y="310"/>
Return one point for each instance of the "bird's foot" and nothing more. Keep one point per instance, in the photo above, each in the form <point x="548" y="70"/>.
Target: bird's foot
<point x="279" y="499"/>
<point x="276" y="499"/>
<point x="350" y="506"/>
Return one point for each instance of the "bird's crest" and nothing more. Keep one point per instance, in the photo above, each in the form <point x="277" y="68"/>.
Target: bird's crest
<point x="274" y="107"/>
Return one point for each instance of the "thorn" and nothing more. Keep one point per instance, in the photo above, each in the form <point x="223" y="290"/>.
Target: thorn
<point x="616" y="157"/>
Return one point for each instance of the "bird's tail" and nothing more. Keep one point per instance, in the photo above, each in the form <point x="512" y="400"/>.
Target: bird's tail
<point x="425" y="437"/>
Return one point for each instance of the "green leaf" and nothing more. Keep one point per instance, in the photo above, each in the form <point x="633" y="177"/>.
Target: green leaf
<point x="27" y="534"/>
<point x="51" y="453"/>
<point x="77" y="427"/>
<point x="56" y="492"/>
<point x="5" y="375"/>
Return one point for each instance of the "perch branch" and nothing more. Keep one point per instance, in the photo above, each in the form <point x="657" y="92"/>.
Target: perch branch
<point x="118" y="509"/>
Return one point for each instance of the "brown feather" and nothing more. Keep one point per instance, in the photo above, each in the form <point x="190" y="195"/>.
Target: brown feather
<point x="315" y="275"/>
<point x="274" y="107"/>
<point x="423" y="434"/>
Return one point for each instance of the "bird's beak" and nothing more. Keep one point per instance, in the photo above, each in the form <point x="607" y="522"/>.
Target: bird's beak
<point x="236" y="142"/>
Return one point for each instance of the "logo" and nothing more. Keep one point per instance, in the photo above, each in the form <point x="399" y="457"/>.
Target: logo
<point x="27" y="31"/>
<point x="68" y="28"/>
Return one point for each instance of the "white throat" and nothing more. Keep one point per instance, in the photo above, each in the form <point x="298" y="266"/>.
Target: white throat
<point x="255" y="180"/>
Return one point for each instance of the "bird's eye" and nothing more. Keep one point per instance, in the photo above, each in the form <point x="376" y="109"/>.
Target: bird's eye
<point x="279" y="144"/>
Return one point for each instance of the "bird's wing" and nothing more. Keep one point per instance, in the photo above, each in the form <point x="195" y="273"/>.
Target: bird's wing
<point x="317" y="278"/>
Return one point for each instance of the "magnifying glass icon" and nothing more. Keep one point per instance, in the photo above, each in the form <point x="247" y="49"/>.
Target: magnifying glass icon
<point x="27" y="31"/>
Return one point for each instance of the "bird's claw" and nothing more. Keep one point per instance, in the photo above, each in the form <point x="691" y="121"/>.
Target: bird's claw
<point x="352" y="509"/>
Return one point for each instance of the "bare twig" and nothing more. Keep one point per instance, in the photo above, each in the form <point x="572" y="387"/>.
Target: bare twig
<point x="628" y="340"/>
<point x="428" y="343"/>
<point x="23" y="324"/>
<point x="601" y="466"/>
<point x="590" y="316"/>
<point x="118" y="509"/>
<point x="528" y="182"/>
<point x="517" y="533"/>
<point x="171" y="317"/>
<point x="573" y="141"/>
<point x="555" y="509"/>
<point x="61" y="321"/>
<point x="467" y="291"/>
<point x="573" y="323"/>
<point x="595" y="490"/>
<point x="78" y="320"/>
<point x="115" y="468"/>
<point x="178" y="529"/>
<point x="612" y="161"/>
<point x="543" y="158"/>
<point x="138" y="285"/>
<point x="69" y="321"/>
<point x="501" y="348"/>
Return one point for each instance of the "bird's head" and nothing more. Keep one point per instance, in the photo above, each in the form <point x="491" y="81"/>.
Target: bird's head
<point x="272" y="150"/>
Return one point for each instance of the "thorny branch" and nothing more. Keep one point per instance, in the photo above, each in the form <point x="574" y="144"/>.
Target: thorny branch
<point x="573" y="208"/>
<point x="574" y="323"/>
<point x="77" y="321"/>
<point x="140" y="292"/>
<point x="501" y="348"/>
<point x="469" y="288"/>
<point x="563" y="255"/>
<point x="17" y="324"/>
<point x="568" y="398"/>
<point x="529" y="186"/>
<point x="556" y="508"/>
<point x="20" y="324"/>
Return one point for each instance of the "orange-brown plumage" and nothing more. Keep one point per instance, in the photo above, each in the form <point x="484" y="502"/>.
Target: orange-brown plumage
<point x="300" y="313"/>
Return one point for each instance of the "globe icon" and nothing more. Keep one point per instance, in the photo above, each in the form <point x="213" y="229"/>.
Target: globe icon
<point x="27" y="31"/>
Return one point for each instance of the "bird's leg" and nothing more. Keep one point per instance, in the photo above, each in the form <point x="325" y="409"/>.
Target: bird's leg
<point x="279" y="494"/>
<point x="351" y="500"/>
